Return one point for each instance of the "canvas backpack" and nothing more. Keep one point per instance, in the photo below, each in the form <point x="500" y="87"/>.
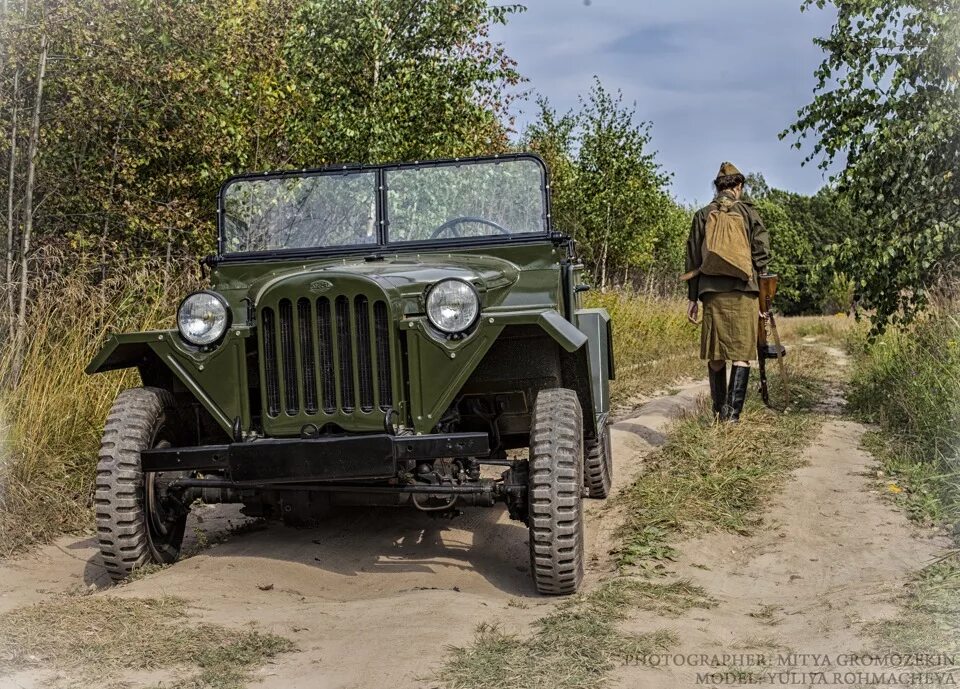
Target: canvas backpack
<point x="726" y="244"/>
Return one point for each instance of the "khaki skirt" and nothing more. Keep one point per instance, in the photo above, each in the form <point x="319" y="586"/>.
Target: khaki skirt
<point x="729" y="330"/>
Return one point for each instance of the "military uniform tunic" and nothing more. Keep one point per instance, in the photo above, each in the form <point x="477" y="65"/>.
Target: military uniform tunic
<point x="730" y="305"/>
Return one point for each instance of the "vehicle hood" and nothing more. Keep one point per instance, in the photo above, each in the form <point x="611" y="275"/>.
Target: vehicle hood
<point x="398" y="276"/>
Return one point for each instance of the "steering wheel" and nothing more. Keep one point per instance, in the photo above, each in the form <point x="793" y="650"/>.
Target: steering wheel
<point x="453" y="222"/>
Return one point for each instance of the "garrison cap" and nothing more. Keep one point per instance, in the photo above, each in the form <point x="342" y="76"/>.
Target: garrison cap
<point x="727" y="169"/>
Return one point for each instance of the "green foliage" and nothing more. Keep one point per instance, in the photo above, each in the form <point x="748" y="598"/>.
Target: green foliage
<point x="609" y="191"/>
<point x="801" y="228"/>
<point x="151" y="105"/>
<point x="55" y="414"/>
<point x="887" y="106"/>
<point x="400" y="79"/>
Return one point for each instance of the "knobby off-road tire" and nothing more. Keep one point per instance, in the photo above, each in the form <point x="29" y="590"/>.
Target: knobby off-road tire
<point x="130" y="533"/>
<point x="555" y="486"/>
<point x="598" y="469"/>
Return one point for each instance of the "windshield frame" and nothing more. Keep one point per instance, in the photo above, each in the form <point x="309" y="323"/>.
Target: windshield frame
<point x="381" y="172"/>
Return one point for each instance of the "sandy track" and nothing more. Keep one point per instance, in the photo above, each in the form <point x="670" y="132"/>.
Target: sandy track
<point x="372" y="597"/>
<point x="833" y="558"/>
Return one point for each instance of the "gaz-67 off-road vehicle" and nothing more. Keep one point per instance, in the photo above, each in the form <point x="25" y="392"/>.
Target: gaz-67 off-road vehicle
<point x="372" y="335"/>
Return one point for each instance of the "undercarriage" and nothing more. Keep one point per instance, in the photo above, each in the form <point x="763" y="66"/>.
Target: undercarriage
<point x="297" y="480"/>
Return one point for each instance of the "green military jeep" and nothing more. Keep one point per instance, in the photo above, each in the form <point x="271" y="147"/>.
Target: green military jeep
<point x="372" y="335"/>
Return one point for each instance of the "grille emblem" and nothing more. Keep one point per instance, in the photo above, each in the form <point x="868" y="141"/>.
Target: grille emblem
<point x="320" y="286"/>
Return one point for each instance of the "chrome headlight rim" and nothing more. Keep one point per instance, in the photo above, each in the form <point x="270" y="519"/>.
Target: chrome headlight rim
<point x="208" y="340"/>
<point x="457" y="331"/>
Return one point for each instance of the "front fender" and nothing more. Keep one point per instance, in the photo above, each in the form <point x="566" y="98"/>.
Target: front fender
<point x="216" y="379"/>
<point x="439" y="368"/>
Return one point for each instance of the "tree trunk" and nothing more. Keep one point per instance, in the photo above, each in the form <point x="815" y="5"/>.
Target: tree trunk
<point x="603" y="267"/>
<point x="28" y="207"/>
<point x="11" y="180"/>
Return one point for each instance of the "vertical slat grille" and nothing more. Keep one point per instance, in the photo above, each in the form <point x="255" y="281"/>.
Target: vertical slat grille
<point x="308" y="367"/>
<point x="364" y="362"/>
<point x="326" y="356"/>
<point x="345" y="347"/>
<point x="329" y="355"/>
<point x="270" y="363"/>
<point x="288" y="355"/>
<point x="381" y="324"/>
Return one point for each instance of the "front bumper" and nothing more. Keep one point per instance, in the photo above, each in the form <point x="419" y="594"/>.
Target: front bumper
<point x="333" y="458"/>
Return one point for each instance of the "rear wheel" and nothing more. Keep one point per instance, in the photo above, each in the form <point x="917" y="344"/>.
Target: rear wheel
<point x="598" y="473"/>
<point x="136" y="524"/>
<point x="555" y="485"/>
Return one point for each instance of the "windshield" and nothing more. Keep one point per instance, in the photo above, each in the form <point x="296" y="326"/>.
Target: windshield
<point x="265" y="214"/>
<point x="466" y="200"/>
<point x="475" y="198"/>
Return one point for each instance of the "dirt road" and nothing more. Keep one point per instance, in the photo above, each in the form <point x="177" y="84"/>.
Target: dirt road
<point x="373" y="597"/>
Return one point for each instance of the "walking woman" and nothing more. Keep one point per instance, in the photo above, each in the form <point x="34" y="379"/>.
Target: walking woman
<point x="727" y="250"/>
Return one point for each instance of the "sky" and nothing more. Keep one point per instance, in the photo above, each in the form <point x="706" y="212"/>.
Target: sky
<point x="716" y="85"/>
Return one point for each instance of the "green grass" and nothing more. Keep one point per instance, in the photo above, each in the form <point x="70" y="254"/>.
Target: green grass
<point x="100" y="637"/>
<point x="907" y="382"/>
<point x="576" y="645"/>
<point x="718" y="476"/>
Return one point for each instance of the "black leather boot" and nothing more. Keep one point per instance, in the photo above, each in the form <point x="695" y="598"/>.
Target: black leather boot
<point x="737" y="393"/>
<point x="718" y="390"/>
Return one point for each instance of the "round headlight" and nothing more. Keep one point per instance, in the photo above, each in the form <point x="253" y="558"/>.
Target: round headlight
<point x="452" y="306"/>
<point x="202" y="318"/>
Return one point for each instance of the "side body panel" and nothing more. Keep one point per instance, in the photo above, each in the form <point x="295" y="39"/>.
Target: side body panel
<point x="595" y="324"/>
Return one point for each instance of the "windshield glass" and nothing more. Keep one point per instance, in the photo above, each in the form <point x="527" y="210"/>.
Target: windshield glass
<point x="465" y="200"/>
<point x="264" y="214"/>
<point x="477" y="198"/>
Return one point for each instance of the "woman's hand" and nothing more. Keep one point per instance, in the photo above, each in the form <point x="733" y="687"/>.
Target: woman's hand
<point x="693" y="308"/>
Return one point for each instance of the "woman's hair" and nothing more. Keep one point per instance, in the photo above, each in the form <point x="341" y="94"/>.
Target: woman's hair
<point x="724" y="182"/>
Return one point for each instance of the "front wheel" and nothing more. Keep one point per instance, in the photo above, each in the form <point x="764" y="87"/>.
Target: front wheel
<point x="554" y="489"/>
<point x="136" y="524"/>
<point x="598" y="476"/>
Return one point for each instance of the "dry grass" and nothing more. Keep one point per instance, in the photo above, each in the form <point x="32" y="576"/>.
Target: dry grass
<point x="100" y="637"/>
<point x="718" y="476"/>
<point x="576" y="645"/>
<point x="654" y="345"/>
<point x="832" y="330"/>
<point x="54" y="415"/>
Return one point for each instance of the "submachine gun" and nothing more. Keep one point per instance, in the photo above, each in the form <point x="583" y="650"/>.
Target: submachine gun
<point x="765" y="350"/>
